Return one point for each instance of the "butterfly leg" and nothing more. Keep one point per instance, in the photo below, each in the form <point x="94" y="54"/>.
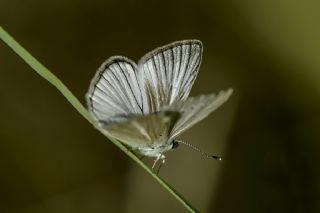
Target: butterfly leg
<point x="156" y="160"/>
<point x="159" y="157"/>
<point x="161" y="164"/>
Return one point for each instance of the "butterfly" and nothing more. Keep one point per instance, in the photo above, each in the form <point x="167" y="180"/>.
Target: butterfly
<point x="147" y="105"/>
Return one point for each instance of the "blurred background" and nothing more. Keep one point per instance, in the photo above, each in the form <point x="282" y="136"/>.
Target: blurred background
<point x="53" y="161"/>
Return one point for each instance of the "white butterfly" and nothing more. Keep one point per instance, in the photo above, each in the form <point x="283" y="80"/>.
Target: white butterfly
<point x="146" y="105"/>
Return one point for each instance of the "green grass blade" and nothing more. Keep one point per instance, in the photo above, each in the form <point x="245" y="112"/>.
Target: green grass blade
<point x="49" y="76"/>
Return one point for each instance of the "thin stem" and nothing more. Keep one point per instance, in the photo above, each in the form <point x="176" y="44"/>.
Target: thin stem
<point x="49" y="76"/>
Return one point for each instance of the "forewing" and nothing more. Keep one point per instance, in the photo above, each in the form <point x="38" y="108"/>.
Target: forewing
<point x="143" y="131"/>
<point x="194" y="109"/>
<point x="114" y="89"/>
<point x="167" y="73"/>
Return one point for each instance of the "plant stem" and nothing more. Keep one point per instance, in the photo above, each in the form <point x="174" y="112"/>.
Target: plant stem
<point x="49" y="76"/>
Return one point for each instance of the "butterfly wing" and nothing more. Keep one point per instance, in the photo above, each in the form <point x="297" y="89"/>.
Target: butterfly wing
<point x="194" y="109"/>
<point x="167" y="73"/>
<point x="115" y="90"/>
<point x="143" y="131"/>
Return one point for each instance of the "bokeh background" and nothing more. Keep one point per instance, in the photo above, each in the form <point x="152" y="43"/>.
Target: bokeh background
<point x="53" y="161"/>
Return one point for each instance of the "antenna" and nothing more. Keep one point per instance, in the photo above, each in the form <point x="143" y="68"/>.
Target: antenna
<point x="197" y="149"/>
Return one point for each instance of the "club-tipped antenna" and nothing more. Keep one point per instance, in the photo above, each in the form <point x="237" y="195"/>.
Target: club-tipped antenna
<point x="198" y="150"/>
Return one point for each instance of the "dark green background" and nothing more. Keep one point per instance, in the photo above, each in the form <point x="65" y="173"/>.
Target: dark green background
<point x="52" y="160"/>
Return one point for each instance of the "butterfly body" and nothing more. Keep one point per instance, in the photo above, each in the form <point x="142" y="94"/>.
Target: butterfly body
<point x="146" y="105"/>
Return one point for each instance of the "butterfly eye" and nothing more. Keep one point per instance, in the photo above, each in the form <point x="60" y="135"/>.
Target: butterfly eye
<point x="175" y="144"/>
